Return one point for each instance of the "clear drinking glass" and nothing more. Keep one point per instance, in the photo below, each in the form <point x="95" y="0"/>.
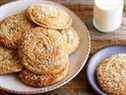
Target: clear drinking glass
<point x="108" y="14"/>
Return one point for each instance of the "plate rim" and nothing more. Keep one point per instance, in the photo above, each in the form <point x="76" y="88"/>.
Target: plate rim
<point x="64" y="82"/>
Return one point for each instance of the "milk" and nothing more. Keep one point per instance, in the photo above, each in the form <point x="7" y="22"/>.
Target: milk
<point x="108" y="15"/>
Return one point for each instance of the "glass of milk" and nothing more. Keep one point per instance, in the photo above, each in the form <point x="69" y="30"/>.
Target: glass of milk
<point x="108" y="15"/>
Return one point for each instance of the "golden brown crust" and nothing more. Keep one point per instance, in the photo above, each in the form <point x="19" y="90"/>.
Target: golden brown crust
<point x="49" y="16"/>
<point x="11" y="29"/>
<point x="9" y="62"/>
<point x="111" y="75"/>
<point x="71" y="37"/>
<point x="41" y="51"/>
<point x="35" y="80"/>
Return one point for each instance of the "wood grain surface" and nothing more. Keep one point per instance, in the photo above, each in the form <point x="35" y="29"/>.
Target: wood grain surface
<point x="80" y="85"/>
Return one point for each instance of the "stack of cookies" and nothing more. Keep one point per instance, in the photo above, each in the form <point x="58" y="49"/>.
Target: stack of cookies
<point x="36" y="43"/>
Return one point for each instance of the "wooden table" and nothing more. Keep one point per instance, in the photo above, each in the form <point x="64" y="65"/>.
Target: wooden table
<point x="80" y="85"/>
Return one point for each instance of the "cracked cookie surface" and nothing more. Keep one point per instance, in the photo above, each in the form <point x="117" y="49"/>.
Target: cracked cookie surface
<point x="11" y="29"/>
<point x="42" y="52"/>
<point x="35" y="80"/>
<point x="49" y="16"/>
<point x="111" y="75"/>
<point x="9" y="62"/>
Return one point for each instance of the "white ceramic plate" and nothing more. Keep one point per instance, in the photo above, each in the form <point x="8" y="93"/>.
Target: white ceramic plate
<point x="77" y="59"/>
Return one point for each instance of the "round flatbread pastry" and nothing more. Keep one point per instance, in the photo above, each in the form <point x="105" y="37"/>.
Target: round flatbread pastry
<point x="71" y="37"/>
<point x="49" y="16"/>
<point x="9" y="62"/>
<point x="31" y="79"/>
<point x="111" y="75"/>
<point x="11" y="29"/>
<point x="41" y="51"/>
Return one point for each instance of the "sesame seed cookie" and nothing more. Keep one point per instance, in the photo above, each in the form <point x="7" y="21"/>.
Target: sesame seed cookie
<point x="111" y="75"/>
<point x="41" y="51"/>
<point x="49" y="16"/>
<point x="35" y="80"/>
<point x="72" y="39"/>
<point x="11" y="29"/>
<point x="9" y="62"/>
